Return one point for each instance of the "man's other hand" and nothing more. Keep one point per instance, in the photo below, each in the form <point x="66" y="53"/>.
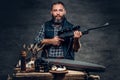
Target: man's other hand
<point x="77" y="34"/>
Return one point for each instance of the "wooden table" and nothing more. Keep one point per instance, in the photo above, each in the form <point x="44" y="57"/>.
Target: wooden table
<point x="71" y="75"/>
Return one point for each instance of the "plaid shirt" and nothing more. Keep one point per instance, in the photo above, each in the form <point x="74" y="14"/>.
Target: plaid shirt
<point x="54" y="51"/>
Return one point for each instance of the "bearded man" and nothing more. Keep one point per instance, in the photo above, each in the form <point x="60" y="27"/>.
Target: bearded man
<point x="55" y="47"/>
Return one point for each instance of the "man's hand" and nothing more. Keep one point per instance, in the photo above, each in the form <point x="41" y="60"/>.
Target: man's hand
<point x="77" y="34"/>
<point x="76" y="44"/>
<point x="56" y="41"/>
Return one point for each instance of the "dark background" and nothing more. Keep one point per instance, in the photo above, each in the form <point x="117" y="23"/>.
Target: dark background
<point x="20" y="21"/>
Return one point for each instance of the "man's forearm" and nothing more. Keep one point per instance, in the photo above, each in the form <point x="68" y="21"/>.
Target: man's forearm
<point x="56" y="41"/>
<point x="47" y="41"/>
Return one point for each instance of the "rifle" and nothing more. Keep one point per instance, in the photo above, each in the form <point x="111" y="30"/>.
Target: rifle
<point x="69" y="32"/>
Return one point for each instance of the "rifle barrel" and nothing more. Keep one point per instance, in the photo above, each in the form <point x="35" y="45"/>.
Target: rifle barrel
<point x="103" y="26"/>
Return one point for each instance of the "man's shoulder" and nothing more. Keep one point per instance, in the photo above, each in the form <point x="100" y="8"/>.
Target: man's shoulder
<point x="68" y="24"/>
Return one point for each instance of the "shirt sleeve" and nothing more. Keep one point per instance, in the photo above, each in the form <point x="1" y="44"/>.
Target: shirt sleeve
<point x="41" y="34"/>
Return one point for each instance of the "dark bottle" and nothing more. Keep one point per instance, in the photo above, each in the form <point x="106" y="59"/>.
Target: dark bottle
<point x="23" y="61"/>
<point x="37" y="65"/>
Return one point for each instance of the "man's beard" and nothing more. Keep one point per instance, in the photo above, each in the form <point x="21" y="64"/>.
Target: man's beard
<point x="57" y="21"/>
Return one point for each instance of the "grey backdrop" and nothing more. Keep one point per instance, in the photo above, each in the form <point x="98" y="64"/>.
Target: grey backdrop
<point x="20" y="21"/>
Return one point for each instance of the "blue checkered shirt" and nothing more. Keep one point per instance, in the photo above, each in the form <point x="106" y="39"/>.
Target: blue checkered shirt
<point x="54" y="51"/>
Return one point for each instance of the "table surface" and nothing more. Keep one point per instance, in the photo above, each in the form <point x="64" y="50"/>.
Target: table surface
<point x="71" y="74"/>
<point x="27" y="74"/>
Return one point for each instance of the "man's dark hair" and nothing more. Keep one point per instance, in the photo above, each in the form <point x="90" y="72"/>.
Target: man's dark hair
<point x="59" y="2"/>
